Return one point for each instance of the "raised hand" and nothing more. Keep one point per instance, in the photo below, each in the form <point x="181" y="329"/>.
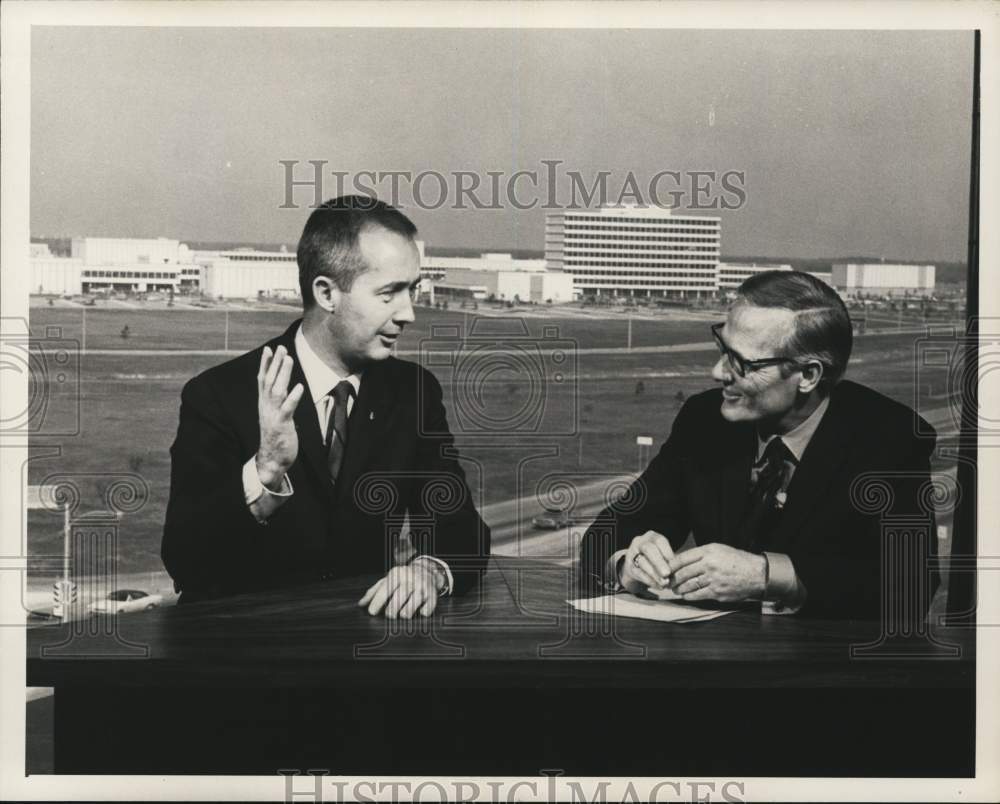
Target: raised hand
<point x="279" y="442"/>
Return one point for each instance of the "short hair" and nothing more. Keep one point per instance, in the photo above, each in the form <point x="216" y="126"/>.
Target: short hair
<point x="822" y="330"/>
<point x="329" y="243"/>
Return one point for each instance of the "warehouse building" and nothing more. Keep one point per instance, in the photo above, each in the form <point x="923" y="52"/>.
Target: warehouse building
<point x="495" y="282"/>
<point x="112" y="264"/>
<point x="732" y="274"/>
<point x="248" y="273"/>
<point x="854" y="279"/>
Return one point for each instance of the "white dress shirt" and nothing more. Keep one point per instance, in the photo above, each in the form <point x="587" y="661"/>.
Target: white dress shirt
<point x="320" y="380"/>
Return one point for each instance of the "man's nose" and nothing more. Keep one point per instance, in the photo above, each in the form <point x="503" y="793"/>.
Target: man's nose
<point x="404" y="314"/>
<point x="721" y="371"/>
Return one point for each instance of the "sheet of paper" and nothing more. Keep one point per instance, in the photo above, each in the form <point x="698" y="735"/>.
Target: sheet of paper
<point x="626" y="605"/>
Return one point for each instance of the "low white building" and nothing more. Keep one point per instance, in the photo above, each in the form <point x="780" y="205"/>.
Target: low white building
<point x="112" y="263"/>
<point x="129" y="251"/>
<point x="248" y="273"/>
<point x="540" y="287"/>
<point x="140" y="265"/>
<point x="883" y="279"/>
<point x="732" y="274"/>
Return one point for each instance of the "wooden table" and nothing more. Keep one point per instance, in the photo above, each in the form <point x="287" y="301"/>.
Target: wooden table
<point x="507" y="680"/>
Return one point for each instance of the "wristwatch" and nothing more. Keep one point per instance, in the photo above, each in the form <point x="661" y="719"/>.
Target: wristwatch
<point x="440" y="576"/>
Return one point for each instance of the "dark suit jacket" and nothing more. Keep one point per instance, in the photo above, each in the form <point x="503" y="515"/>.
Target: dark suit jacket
<point x="399" y="459"/>
<point x="699" y="483"/>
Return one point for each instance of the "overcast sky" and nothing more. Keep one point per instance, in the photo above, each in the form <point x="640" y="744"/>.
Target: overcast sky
<point x="852" y="143"/>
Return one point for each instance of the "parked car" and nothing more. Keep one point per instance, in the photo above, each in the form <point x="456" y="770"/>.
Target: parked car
<point x="551" y="520"/>
<point x="122" y="601"/>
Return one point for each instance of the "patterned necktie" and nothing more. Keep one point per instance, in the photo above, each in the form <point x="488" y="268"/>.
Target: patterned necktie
<point x="336" y="428"/>
<point x="763" y="509"/>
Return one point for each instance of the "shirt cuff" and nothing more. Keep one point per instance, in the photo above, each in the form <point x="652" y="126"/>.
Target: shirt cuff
<point x="447" y="571"/>
<point x="253" y="489"/>
<point x="785" y="593"/>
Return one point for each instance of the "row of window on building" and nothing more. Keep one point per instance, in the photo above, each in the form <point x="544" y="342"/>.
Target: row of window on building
<point x="576" y="229"/>
<point x="708" y="238"/>
<point x="704" y="283"/>
<point x="705" y="276"/>
<point x="572" y="218"/>
<point x="708" y="264"/>
<point x="574" y="251"/>
<point x="266" y="257"/>
<point x="130" y="274"/>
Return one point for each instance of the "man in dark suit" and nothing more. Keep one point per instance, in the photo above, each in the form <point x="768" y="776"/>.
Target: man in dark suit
<point x="298" y="461"/>
<point x="766" y="472"/>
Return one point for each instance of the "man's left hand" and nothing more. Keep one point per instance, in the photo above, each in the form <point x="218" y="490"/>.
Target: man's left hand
<point x="403" y="592"/>
<point x="718" y="572"/>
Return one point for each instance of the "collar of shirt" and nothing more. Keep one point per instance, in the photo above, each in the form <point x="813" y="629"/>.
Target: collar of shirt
<point x="798" y="438"/>
<point x="320" y="378"/>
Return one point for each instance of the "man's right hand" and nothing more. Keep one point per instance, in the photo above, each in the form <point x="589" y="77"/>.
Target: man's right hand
<point x="279" y="442"/>
<point x="645" y="565"/>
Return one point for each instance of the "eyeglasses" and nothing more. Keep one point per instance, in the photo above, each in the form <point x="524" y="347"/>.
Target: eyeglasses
<point x="739" y="364"/>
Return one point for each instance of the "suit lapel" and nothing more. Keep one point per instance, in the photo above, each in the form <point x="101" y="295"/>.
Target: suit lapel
<point x="368" y="425"/>
<point x="735" y="479"/>
<point x="825" y="454"/>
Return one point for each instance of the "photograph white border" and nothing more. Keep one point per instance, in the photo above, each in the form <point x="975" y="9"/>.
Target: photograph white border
<point x="17" y="18"/>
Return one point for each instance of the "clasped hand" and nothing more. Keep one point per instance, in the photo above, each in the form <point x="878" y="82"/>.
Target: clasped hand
<point x="707" y="572"/>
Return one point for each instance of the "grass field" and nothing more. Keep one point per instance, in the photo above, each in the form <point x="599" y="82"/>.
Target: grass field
<point x="206" y="329"/>
<point x="128" y="405"/>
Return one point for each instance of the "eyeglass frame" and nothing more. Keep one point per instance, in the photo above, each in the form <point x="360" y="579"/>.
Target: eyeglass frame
<point x="741" y="365"/>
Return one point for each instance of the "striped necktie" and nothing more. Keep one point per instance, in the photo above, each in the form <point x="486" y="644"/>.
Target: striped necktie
<point x="336" y="428"/>
<point x="763" y="511"/>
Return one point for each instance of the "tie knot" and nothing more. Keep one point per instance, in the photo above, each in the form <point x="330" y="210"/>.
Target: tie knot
<point x="342" y="392"/>
<point x="776" y="452"/>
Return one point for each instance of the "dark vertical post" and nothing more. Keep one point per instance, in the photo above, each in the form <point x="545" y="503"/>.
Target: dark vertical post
<point x="962" y="585"/>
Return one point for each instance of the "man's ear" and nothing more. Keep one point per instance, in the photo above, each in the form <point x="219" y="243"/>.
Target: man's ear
<point x="326" y="293"/>
<point x="811" y="374"/>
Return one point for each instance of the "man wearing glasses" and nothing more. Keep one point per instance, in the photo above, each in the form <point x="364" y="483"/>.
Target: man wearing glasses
<point x="759" y="471"/>
<point x="290" y="460"/>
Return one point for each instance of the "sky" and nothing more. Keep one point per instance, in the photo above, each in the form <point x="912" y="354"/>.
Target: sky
<point x="849" y="142"/>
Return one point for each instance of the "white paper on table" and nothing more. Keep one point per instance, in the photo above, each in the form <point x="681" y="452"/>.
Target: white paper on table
<point x="628" y="605"/>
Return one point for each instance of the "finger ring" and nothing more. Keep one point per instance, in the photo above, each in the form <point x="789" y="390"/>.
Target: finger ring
<point x="635" y="559"/>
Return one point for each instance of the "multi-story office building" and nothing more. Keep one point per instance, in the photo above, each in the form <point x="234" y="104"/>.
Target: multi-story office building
<point x="635" y="251"/>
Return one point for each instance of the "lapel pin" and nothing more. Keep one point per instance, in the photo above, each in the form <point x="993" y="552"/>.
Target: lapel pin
<point x="371" y="416"/>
